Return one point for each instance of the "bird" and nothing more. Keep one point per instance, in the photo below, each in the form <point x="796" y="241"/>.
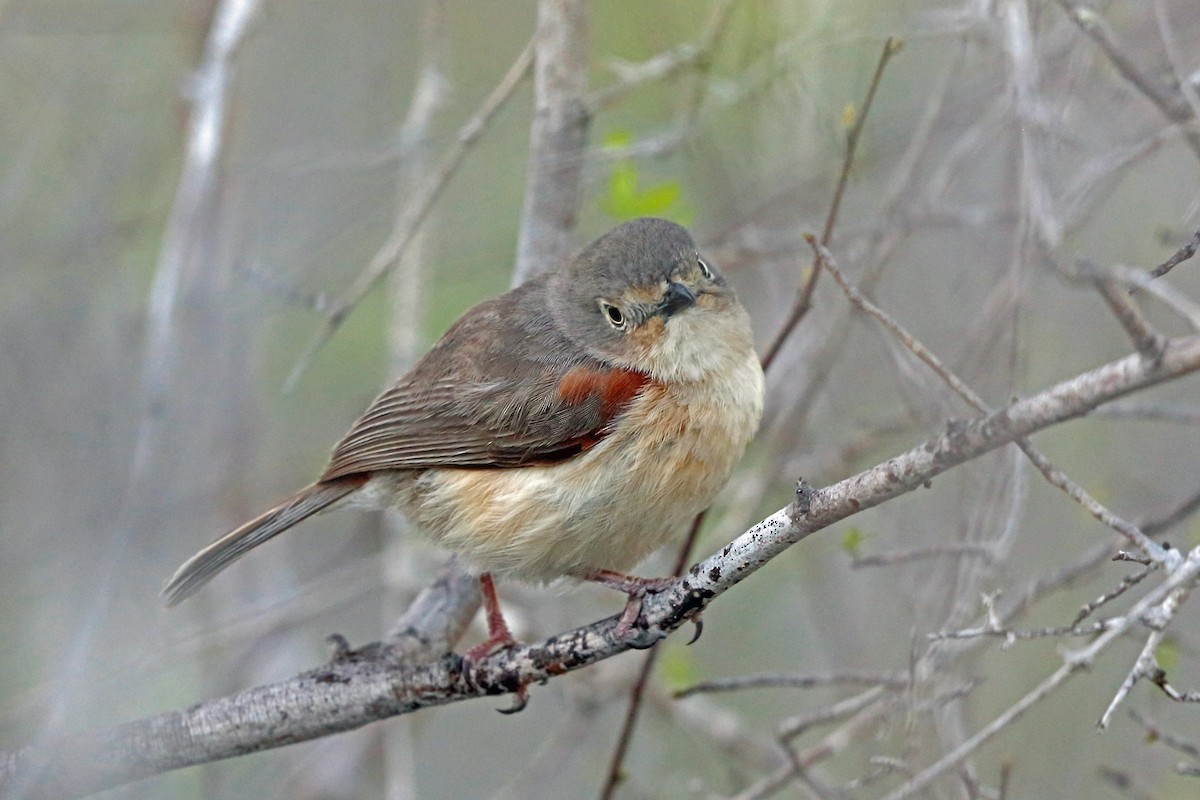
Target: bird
<point x="565" y="429"/>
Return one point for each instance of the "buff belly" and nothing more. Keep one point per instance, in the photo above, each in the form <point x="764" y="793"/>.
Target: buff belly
<point x="608" y="508"/>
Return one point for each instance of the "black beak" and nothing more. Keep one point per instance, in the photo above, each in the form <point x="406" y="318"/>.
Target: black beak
<point x="677" y="297"/>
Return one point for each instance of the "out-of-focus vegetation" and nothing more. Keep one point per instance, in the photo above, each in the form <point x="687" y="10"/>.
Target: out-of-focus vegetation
<point x="982" y="163"/>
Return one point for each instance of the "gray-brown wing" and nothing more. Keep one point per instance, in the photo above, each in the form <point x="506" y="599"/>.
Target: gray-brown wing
<point x="491" y="393"/>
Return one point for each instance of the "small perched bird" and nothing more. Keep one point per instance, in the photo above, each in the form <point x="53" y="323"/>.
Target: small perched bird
<point x="566" y="428"/>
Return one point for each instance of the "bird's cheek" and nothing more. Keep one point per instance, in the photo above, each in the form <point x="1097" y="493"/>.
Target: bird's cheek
<point x="645" y="338"/>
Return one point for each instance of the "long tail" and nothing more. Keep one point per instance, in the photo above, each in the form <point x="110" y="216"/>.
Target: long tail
<point x="200" y="568"/>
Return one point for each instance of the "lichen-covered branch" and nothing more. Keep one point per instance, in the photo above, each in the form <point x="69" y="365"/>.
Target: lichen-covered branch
<point x="371" y="684"/>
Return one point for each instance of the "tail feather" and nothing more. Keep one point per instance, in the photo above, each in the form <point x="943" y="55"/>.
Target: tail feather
<point x="202" y="567"/>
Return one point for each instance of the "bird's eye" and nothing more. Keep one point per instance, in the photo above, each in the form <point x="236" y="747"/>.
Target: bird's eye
<point x="705" y="269"/>
<point x="614" y="315"/>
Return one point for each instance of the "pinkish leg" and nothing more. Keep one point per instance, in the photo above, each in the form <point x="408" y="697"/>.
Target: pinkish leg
<point x="499" y="636"/>
<point x="635" y="588"/>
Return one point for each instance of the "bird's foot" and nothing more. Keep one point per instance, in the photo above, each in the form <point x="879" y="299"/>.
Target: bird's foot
<point x="499" y="638"/>
<point x="635" y="589"/>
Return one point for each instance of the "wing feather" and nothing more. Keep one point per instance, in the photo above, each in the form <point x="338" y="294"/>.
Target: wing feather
<point x="490" y="393"/>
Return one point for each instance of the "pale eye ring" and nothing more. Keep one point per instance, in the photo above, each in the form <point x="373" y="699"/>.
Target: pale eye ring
<point x="614" y="315"/>
<point x="705" y="269"/>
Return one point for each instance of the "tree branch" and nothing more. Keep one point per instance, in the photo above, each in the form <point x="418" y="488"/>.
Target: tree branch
<point x="557" y="138"/>
<point x="371" y="684"/>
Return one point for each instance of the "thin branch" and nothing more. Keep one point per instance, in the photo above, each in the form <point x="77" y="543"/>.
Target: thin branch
<point x="1127" y="583"/>
<point x="1072" y="663"/>
<point x="1171" y="104"/>
<point x="796" y="726"/>
<point x="777" y="680"/>
<point x="804" y="297"/>
<point x="665" y="64"/>
<point x="1181" y="255"/>
<point x="1144" y="338"/>
<point x="1137" y="280"/>
<point x="365" y="686"/>
<point x="1052" y="474"/>
<point x="978" y="549"/>
<point x="415" y="213"/>
<point x="1156" y="733"/>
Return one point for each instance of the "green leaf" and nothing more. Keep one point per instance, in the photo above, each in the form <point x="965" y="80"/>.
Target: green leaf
<point x="627" y="199"/>
<point x="677" y="667"/>
<point x="852" y="542"/>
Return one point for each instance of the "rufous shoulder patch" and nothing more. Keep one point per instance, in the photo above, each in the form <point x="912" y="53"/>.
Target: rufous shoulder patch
<point x="614" y="387"/>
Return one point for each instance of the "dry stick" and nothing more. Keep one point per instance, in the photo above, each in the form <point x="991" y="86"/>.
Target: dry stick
<point x="791" y="681"/>
<point x="1055" y="476"/>
<point x="366" y="686"/>
<point x="1171" y="104"/>
<point x="1181" y="255"/>
<point x="1072" y="663"/>
<point x="418" y="208"/>
<point x="1090" y="560"/>
<point x="666" y="63"/>
<point x="890" y="48"/>
<point x="1169" y="558"/>
<point x="804" y="298"/>
<point x="1147" y="341"/>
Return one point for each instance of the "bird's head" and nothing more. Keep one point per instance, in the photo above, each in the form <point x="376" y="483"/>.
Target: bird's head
<point x="642" y="297"/>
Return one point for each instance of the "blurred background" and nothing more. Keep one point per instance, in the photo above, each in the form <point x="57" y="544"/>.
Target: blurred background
<point x="162" y="283"/>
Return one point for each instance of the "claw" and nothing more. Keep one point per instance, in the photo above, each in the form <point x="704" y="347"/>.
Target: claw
<point x="499" y="638"/>
<point x="635" y="589"/>
<point x="698" y="622"/>
<point x="520" y="700"/>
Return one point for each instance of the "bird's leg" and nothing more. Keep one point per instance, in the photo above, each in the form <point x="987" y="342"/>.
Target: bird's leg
<point x="499" y="636"/>
<point x="635" y="588"/>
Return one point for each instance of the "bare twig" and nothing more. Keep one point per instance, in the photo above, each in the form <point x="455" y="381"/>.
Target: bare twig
<point x="667" y="63"/>
<point x="798" y="725"/>
<point x="1186" y="746"/>
<point x="415" y="212"/>
<point x="1127" y="583"/>
<point x="637" y="691"/>
<point x="1072" y="663"/>
<point x="1173" y="299"/>
<point x="918" y="553"/>
<point x="776" y="680"/>
<point x="1052" y="474"/>
<point x="364" y="687"/>
<point x="1181" y="255"/>
<point x="1171" y="104"/>
<point x="1147" y="341"/>
<point x="804" y="297"/>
